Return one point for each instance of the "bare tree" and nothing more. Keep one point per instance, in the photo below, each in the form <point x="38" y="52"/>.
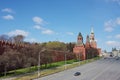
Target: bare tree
<point x="18" y="38"/>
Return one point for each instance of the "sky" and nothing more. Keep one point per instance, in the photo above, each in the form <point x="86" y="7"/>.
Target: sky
<point x="62" y="20"/>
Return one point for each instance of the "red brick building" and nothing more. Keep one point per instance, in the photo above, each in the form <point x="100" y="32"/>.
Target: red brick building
<point x="84" y="51"/>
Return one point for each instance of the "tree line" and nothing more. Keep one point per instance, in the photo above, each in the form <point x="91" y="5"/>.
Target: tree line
<point x="15" y="53"/>
<point x="15" y="57"/>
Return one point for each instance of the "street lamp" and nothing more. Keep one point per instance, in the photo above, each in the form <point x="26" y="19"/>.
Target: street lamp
<point x="39" y="62"/>
<point x="118" y="54"/>
<point x="65" y="59"/>
<point x="79" y="58"/>
<point x="5" y="70"/>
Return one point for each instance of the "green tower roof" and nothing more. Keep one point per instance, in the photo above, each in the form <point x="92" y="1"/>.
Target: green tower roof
<point x="80" y="34"/>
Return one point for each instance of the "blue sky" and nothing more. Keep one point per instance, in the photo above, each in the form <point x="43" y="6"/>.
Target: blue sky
<point x="62" y="20"/>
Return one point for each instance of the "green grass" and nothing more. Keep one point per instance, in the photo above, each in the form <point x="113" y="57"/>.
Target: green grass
<point x="55" y="70"/>
<point x="50" y="69"/>
<point x="35" y="68"/>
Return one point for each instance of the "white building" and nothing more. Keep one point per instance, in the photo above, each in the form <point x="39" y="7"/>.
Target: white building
<point x="116" y="52"/>
<point x="105" y="54"/>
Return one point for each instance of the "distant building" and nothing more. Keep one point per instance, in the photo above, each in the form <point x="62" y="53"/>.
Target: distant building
<point x="87" y="50"/>
<point x="115" y="52"/>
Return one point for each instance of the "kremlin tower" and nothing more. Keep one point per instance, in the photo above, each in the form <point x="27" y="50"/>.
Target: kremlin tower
<point x="87" y="50"/>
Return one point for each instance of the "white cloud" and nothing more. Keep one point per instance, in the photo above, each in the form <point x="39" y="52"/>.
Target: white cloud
<point x="117" y="1"/>
<point x="31" y="40"/>
<point x="8" y="17"/>
<point x="47" y="31"/>
<point x="109" y="37"/>
<point x="18" y="32"/>
<point x="7" y="10"/>
<point x="70" y="33"/>
<point x="44" y="30"/>
<point x="118" y="21"/>
<point x="38" y="27"/>
<point x="111" y="24"/>
<point x="109" y="29"/>
<point x="38" y="20"/>
<point x="113" y="43"/>
<point x="117" y="36"/>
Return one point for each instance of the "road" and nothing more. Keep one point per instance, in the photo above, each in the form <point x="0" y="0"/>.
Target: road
<point x="103" y="69"/>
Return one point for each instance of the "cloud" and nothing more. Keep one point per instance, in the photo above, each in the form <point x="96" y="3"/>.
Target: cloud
<point x="18" y="32"/>
<point x="38" y="20"/>
<point x="118" y="21"/>
<point x="111" y="24"/>
<point x="70" y="33"/>
<point x="117" y="1"/>
<point x="109" y="37"/>
<point x="8" y="17"/>
<point x="109" y="29"/>
<point x="113" y="43"/>
<point x="44" y="30"/>
<point x="38" y="27"/>
<point x="7" y="10"/>
<point x="47" y="31"/>
<point x="31" y="40"/>
<point x="117" y="36"/>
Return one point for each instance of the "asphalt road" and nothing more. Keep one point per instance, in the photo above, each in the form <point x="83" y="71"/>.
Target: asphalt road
<point x="103" y="69"/>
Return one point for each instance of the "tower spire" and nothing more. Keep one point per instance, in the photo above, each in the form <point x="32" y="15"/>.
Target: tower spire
<point x="80" y="34"/>
<point x="80" y="39"/>
<point x="92" y="31"/>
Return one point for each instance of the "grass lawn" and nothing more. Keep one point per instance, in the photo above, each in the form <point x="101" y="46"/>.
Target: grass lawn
<point x="31" y="72"/>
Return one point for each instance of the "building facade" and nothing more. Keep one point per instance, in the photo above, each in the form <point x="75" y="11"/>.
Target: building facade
<point x="116" y="52"/>
<point x="87" y="50"/>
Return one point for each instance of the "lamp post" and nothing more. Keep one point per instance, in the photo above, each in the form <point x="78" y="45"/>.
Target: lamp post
<point x="39" y="62"/>
<point x="5" y="70"/>
<point x="79" y="58"/>
<point x="65" y="59"/>
<point x="118" y="52"/>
